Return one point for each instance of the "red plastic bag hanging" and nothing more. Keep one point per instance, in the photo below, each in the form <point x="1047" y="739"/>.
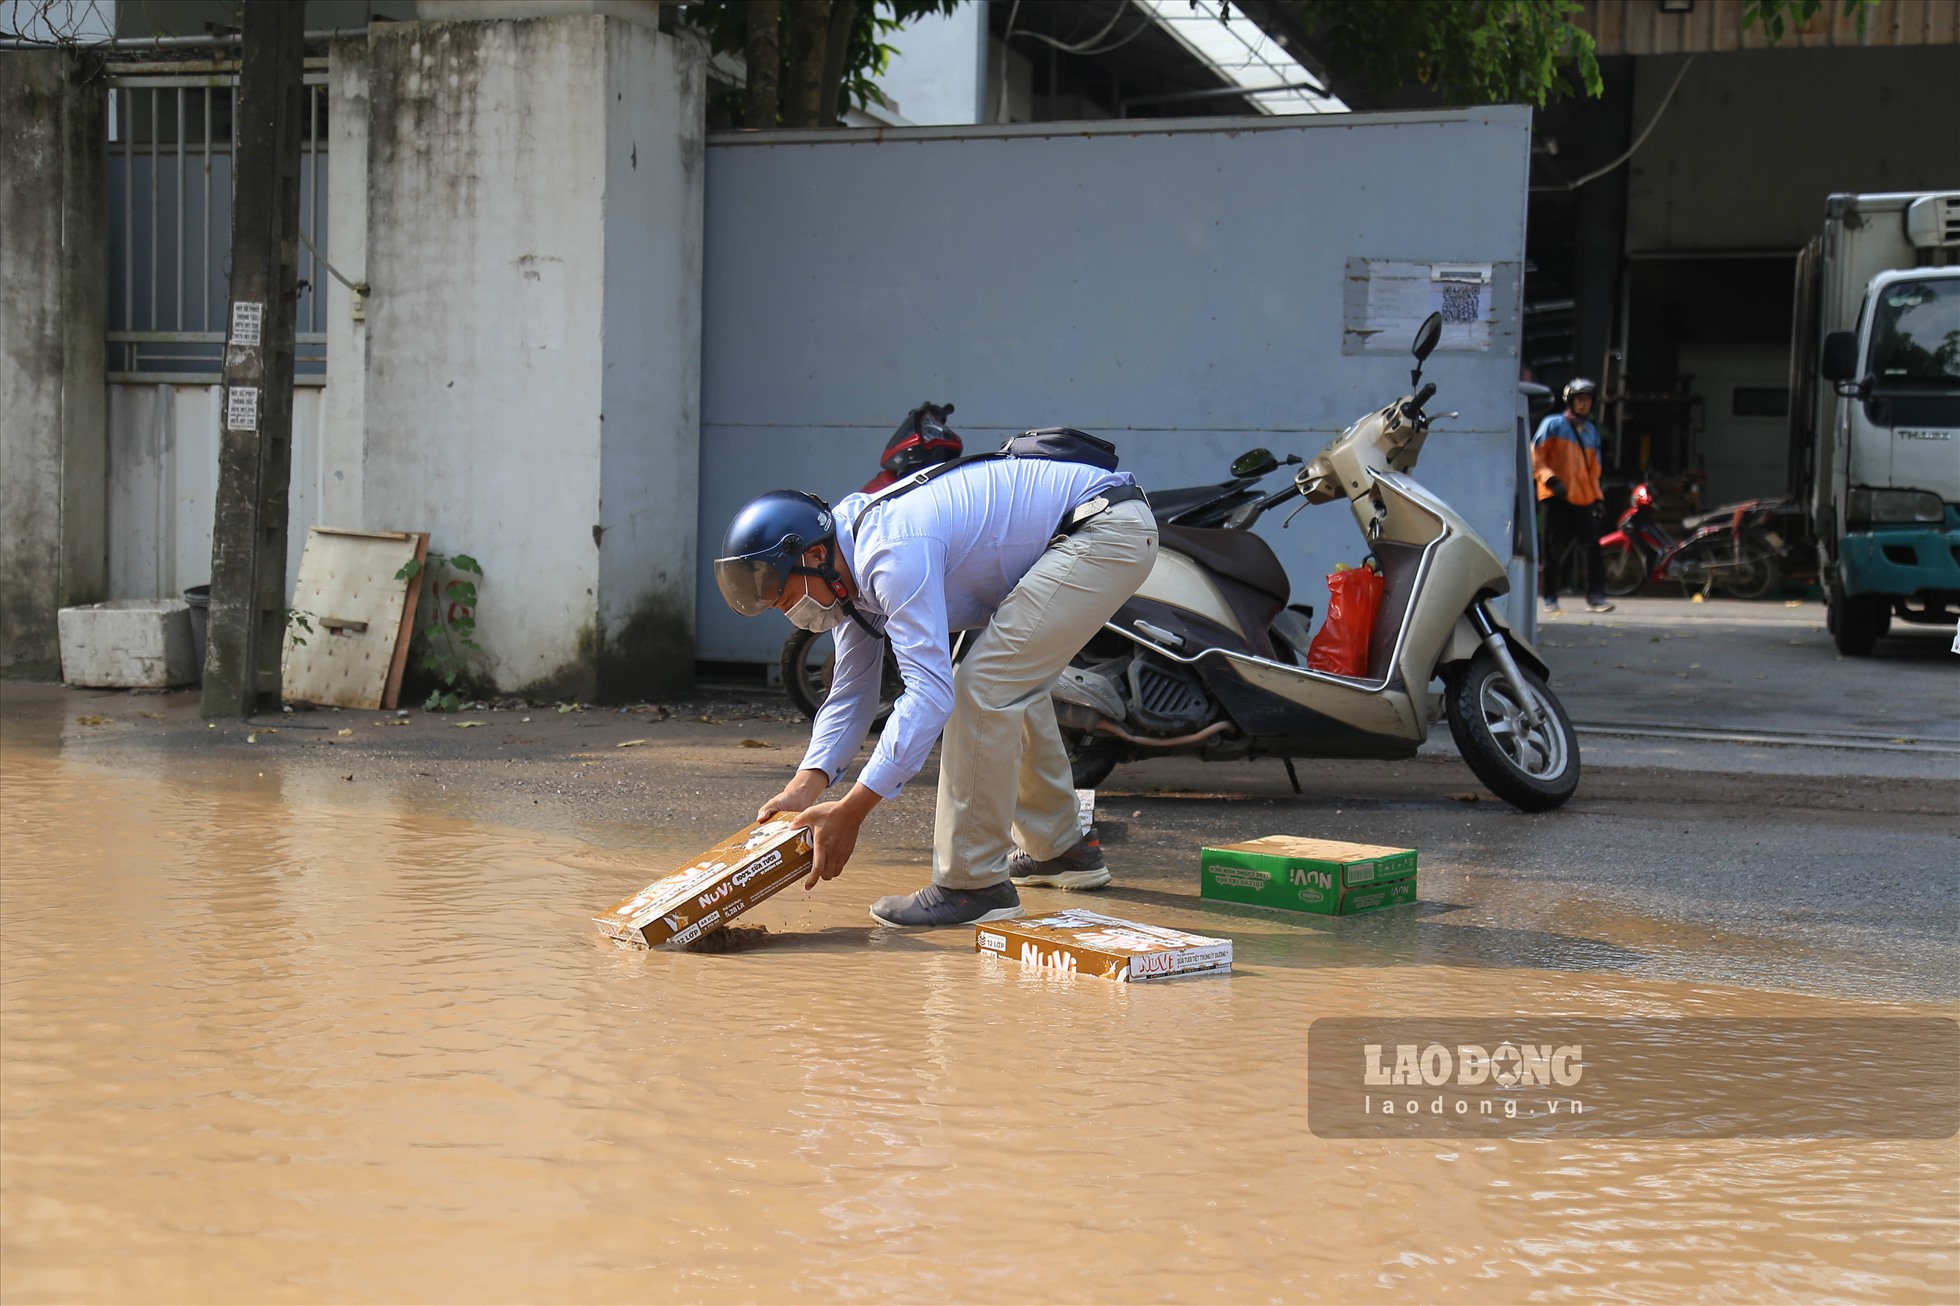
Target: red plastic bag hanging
<point x="1354" y="594"/>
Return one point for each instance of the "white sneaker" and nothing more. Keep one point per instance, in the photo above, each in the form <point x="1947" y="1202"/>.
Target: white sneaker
<point x="1600" y="605"/>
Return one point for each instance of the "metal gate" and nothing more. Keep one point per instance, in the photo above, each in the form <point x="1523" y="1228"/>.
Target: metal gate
<point x="172" y="137"/>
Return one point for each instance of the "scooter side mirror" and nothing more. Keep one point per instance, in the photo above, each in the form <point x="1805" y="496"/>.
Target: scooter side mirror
<point x="1427" y="337"/>
<point x="1254" y="462"/>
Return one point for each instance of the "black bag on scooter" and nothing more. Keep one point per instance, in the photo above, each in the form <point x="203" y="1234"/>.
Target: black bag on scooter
<point x="1058" y="443"/>
<point x="1063" y="444"/>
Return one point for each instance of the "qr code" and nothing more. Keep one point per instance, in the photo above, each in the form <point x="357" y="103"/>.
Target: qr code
<point x="1462" y="303"/>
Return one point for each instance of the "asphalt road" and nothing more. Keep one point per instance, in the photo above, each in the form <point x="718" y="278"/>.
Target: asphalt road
<point x="1755" y="687"/>
<point x="1820" y="861"/>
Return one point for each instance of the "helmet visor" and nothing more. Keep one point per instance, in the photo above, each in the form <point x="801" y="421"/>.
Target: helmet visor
<point x="750" y="585"/>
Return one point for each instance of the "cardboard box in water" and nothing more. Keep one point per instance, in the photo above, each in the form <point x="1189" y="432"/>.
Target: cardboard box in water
<point x="723" y="882"/>
<point x="1316" y="875"/>
<point x="1088" y="944"/>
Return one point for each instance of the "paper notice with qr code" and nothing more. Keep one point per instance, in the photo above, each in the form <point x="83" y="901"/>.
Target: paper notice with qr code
<point x="1461" y="293"/>
<point x="1394" y="298"/>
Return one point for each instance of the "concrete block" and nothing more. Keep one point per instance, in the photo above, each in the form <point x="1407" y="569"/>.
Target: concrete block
<point x="128" y="644"/>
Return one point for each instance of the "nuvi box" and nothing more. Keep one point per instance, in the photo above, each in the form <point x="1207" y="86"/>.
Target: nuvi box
<point x="1324" y="876"/>
<point x="723" y="882"/>
<point x="1084" y="943"/>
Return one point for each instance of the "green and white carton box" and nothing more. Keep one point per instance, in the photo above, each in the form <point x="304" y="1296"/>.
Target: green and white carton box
<point x="1313" y="875"/>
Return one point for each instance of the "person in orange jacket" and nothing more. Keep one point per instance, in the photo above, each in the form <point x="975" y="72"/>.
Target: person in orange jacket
<point x="1565" y="463"/>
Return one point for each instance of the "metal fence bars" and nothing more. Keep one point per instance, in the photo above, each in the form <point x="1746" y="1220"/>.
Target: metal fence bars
<point x="172" y="137"/>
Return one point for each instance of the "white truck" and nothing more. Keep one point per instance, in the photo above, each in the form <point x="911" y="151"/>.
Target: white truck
<point x="1875" y="410"/>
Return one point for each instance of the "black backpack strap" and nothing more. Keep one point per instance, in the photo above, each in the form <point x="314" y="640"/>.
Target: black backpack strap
<point x="907" y="484"/>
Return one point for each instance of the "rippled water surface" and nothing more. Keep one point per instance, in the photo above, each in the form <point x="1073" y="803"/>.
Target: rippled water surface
<point x="261" y="1044"/>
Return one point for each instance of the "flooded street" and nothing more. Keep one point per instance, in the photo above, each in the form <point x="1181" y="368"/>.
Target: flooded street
<point x="265" y="1042"/>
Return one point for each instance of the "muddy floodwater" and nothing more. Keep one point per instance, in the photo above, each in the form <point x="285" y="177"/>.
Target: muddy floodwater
<point x="262" y="1044"/>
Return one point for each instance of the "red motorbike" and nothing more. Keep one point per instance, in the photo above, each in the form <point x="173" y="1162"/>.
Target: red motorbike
<point x="1734" y="551"/>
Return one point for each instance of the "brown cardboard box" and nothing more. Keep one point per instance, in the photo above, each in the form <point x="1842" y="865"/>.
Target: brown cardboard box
<point x="723" y="882"/>
<point x="1088" y="944"/>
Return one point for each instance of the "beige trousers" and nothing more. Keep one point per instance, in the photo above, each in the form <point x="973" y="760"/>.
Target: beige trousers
<point x="1003" y="772"/>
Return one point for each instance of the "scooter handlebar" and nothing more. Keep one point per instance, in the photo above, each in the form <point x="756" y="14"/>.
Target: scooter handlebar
<point x="1413" y="409"/>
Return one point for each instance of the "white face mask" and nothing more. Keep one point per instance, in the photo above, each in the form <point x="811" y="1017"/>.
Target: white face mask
<point x="808" y="614"/>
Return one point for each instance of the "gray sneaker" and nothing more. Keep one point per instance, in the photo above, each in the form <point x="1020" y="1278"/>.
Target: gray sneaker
<point x="1081" y="867"/>
<point x="934" y="908"/>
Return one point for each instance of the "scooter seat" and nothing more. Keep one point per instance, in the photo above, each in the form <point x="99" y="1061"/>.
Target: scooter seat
<point x="1240" y="555"/>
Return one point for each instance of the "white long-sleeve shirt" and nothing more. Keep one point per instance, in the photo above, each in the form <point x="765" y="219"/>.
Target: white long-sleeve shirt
<point x="932" y="561"/>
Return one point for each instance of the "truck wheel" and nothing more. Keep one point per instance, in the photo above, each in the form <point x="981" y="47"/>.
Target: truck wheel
<point x="1857" y="620"/>
<point x="1533" y="768"/>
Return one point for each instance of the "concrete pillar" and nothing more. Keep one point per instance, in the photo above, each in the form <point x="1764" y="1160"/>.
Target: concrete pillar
<point x="344" y="430"/>
<point x="531" y="370"/>
<point x="53" y="312"/>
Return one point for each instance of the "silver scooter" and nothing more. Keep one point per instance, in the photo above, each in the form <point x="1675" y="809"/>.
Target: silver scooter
<point x="1208" y="659"/>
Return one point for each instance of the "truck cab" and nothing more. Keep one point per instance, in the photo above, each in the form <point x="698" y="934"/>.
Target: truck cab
<point x="1884" y="466"/>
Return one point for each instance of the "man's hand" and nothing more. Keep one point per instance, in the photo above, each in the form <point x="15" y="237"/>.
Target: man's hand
<point x="1556" y="486"/>
<point x="834" y="832"/>
<point x="798" y="794"/>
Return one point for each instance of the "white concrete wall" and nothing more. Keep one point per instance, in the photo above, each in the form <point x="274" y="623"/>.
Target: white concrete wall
<point x="163" y="481"/>
<point x="485" y="252"/>
<point x="532" y="231"/>
<point x="344" y="411"/>
<point x="53" y="210"/>
<point x="651" y="384"/>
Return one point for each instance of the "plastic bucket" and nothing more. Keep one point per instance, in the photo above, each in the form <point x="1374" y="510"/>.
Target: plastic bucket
<point x="199" y="599"/>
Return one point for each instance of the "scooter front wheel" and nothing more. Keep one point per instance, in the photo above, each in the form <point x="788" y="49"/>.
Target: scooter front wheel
<point x="1625" y="569"/>
<point x="1532" y="767"/>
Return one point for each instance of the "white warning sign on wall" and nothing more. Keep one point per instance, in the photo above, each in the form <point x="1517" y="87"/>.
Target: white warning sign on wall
<point x="242" y="408"/>
<point x="247" y="322"/>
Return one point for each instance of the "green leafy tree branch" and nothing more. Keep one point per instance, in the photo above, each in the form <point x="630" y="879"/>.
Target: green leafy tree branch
<point x="807" y="60"/>
<point x="1474" y="52"/>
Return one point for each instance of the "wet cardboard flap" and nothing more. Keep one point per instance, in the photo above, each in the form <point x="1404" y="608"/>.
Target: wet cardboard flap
<point x="718" y="886"/>
<point x="1086" y="943"/>
<point x="1326" y="876"/>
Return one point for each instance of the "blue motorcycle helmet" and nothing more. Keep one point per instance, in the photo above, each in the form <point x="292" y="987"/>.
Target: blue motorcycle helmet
<point x="764" y="546"/>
